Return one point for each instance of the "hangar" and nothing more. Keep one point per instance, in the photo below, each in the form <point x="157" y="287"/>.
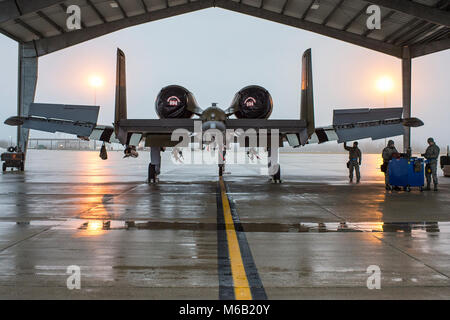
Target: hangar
<point x="409" y="29"/>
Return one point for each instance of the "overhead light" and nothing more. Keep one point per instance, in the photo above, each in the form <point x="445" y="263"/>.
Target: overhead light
<point x="315" y="5"/>
<point x="113" y="4"/>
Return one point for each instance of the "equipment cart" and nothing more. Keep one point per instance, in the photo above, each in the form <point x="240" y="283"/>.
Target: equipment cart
<point x="13" y="160"/>
<point x="407" y="173"/>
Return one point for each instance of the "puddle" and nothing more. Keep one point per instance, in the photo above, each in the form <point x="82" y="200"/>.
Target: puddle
<point x="320" y="227"/>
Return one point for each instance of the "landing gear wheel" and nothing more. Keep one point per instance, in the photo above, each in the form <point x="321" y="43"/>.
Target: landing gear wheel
<point x="4" y="166"/>
<point x="151" y="173"/>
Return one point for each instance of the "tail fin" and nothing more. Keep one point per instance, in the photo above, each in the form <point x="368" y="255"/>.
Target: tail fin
<point x="121" y="96"/>
<point x="307" y="99"/>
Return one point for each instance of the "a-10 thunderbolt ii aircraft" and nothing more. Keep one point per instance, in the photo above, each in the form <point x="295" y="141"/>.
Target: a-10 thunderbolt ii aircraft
<point x="251" y="107"/>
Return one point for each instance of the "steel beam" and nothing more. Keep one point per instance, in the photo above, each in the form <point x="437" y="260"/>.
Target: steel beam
<point x="97" y="12"/>
<point x="400" y="30"/>
<point x="418" y="10"/>
<point x="431" y="47"/>
<point x="330" y="15"/>
<point x="305" y="14"/>
<point x="284" y="6"/>
<point x="58" y="42"/>
<point x="406" y="96"/>
<point x="311" y="26"/>
<point x="27" y="81"/>
<point x="360" y="12"/>
<point x="144" y="5"/>
<point x="51" y="22"/>
<point x="13" y="9"/>
<point x="424" y="33"/>
<point x="435" y="36"/>
<point x="29" y="28"/>
<point x="122" y="10"/>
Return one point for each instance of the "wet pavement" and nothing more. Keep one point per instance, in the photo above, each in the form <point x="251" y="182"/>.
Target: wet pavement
<point x="313" y="236"/>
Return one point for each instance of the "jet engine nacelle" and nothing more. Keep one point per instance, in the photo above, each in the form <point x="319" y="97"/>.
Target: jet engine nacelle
<point x="175" y="102"/>
<point x="252" y="102"/>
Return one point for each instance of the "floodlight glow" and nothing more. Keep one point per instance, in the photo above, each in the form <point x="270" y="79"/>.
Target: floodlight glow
<point x="385" y="84"/>
<point x="95" y="81"/>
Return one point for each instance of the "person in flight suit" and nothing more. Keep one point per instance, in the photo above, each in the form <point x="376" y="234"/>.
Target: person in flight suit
<point x="355" y="158"/>
<point x="387" y="154"/>
<point x="432" y="155"/>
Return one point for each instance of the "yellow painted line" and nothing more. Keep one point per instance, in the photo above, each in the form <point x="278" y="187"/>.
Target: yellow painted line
<point x="241" y="285"/>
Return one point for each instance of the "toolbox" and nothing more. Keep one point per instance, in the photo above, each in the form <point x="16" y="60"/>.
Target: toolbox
<point x="407" y="173"/>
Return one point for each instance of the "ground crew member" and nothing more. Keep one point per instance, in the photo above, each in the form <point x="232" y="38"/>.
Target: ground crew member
<point x="432" y="155"/>
<point x="355" y="158"/>
<point x="155" y="159"/>
<point x="388" y="152"/>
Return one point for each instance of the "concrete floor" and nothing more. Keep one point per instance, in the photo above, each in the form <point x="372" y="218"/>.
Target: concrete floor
<point x="314" y="236"/>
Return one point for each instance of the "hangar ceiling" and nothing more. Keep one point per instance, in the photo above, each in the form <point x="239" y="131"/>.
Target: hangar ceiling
<point x="421" y="26"/>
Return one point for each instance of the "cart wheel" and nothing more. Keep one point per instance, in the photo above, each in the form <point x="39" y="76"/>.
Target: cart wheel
<point x="4" y="166"/>
<point x="22" y="166"/>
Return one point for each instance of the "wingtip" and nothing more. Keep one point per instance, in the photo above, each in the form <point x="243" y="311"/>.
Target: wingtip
<point x="14" y="121"/>
<point x="412" y="122"/>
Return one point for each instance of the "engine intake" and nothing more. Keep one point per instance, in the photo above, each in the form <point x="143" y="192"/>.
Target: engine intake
<point x="175" y="102"/>
<point x="252" y="102"/>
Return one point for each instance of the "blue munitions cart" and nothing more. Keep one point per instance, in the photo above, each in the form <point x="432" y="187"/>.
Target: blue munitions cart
<point x="407" y="173"/>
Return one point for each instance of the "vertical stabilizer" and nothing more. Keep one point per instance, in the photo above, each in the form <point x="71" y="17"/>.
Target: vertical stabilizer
<point x="121" y="96"/>
<point x="307" y="98"/>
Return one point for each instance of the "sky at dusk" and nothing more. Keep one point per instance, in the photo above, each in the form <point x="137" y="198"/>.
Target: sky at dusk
<point x="214" y="53"/>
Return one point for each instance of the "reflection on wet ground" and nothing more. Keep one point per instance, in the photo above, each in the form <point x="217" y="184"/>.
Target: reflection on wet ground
<point x="97" y="225"/>
<point x="311" y="237"/>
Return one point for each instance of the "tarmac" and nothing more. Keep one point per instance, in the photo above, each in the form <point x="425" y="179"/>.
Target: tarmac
<point x="194" y="236"/>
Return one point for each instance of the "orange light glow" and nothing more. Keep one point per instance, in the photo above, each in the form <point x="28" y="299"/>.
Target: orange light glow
<point x="95" y="81"/>
<point x="95" y="225"/>
<point x="385" y="84"/>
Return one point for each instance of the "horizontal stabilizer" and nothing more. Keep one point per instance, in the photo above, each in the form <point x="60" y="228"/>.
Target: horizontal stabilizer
<point x="355" y="124"/>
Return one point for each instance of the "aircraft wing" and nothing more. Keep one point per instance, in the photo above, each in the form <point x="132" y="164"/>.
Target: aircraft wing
<point x="73" y="119"/>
